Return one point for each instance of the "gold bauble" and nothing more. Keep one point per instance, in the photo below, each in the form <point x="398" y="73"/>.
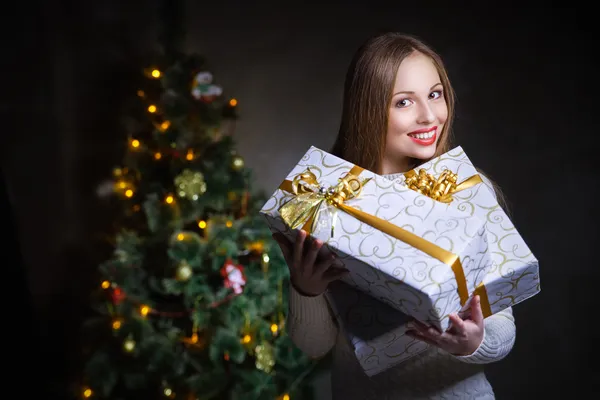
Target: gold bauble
<point x="265" y="357"/>
<point x="183" y="272"/>
<point x="190" y="184"/>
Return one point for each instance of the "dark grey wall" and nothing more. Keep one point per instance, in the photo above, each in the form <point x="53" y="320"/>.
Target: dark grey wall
<point x="524" y="116"/>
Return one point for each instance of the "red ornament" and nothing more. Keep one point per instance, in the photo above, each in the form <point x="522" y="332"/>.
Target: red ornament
<point x="117" y="295"/>
<point x="234" y="276"/>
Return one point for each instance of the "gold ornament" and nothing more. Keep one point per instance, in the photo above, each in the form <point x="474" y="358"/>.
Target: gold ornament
<point x="265" y="357"/>
<point x="183" y="272"/>
<point x="129" y="345"/>
<point x="237" y="162"/>
<point x="190" y="184"/>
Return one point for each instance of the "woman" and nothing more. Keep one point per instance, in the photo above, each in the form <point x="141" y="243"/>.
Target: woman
<point x="397" y="114"/>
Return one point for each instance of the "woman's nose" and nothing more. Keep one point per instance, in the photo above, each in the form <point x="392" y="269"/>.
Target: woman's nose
<point x="426" y="115"/>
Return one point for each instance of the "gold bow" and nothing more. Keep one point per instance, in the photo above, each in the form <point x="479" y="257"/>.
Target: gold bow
<point x="302" y="210"/>
<point x="440" y="189"/>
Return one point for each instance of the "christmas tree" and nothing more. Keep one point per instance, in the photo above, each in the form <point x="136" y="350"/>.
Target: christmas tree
<point x="192" y="303"/>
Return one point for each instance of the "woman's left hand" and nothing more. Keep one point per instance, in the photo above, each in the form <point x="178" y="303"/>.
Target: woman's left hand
<point x="461" y="339"/>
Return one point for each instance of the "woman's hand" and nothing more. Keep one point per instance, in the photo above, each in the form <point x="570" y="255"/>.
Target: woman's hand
<point x="309" y="275"/>
<point x="461" y="339"/>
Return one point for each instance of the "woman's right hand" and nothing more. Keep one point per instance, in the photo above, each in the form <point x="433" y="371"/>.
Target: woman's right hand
<point x="309" y="275"/>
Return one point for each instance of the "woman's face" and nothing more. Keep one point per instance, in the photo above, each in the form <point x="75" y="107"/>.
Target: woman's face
<point x="417" y="114"/>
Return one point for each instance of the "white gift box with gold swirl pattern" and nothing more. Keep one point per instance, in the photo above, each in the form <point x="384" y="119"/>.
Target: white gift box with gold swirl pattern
<point x="389" y="269"/>
<point x="493" y="258"/>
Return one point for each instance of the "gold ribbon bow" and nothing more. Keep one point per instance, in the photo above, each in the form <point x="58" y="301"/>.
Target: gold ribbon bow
<point x="441" y="188"/>
<point x="303" y="208"/>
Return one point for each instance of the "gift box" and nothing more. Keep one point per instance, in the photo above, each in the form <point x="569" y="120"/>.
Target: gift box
<point x="407" y="250"/>
<point x="514" y="274"/>
<point x="374" y="330"/>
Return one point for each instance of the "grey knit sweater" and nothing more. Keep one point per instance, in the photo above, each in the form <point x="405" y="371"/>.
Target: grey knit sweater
<point x="433" y="374"/>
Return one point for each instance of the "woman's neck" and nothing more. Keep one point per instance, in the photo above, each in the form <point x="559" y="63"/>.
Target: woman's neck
<point x="395" y="166"/>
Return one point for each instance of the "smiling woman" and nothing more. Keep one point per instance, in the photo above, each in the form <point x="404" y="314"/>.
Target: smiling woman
<point x="397" y="114"/>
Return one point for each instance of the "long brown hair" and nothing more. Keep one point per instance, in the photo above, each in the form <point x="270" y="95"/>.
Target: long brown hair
<point x="368" y="91"/>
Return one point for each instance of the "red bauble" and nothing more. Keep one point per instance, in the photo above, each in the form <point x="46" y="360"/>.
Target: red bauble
<point x="117" y="295"/>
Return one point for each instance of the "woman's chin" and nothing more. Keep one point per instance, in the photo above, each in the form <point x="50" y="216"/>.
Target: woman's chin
<point x="424" y="152"/>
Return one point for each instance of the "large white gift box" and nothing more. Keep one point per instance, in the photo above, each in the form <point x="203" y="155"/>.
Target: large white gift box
<point x="416" y="254"/>
<point x="414" y="248"/>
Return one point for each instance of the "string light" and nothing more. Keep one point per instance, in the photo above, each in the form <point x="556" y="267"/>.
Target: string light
<point x="144" y="310"/>
<point x="201" y="224"/>
<point x="129" y="193"/>
<point x="246" y="339"/>
<point x="274" y="328"/>
<point x="233" y="102"/>
<point x="157" y="155"/>
<point x="190" y="155"/>
<point x="152" y="109"/>
<point x="87" y="392"/>
<point x="169" y="199"/>
<point x="129" y="345"/>
<point x="165" y="125"/>
<point x="116" y="324"/>
<point x="286" y="397"/>
<point x="141" y="93"/>
<point x="193" y="339"/>
<point x="229" y="224"/>
<point x="180" y="236"/>
<point x="155" y="73"/>
<point x="135" y="143"/>
<point x="105" y="284"/>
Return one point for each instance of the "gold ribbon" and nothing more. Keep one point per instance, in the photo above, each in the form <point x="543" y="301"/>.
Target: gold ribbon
<point x="441" y="188"/>
<point x="310" y="195"/>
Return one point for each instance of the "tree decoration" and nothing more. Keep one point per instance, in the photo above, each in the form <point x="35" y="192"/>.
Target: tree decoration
<point x="190" y="184"/>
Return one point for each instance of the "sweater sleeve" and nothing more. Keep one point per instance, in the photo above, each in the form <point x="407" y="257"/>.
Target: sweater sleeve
<point x="498" y="339"/>
<point x="310" y="323"/>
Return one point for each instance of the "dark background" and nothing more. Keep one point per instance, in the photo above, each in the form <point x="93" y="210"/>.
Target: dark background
<point x="526" y="87"/>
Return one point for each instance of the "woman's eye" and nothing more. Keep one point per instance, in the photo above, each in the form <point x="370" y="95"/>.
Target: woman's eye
<point x="403" y="103"/>
<point x="436" y="94"/>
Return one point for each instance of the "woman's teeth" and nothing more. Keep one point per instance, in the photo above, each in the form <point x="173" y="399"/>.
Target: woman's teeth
<point x="427" y="135"/>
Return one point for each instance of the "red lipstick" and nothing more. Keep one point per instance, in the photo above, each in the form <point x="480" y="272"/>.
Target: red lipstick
<point x="424" y="142"/>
